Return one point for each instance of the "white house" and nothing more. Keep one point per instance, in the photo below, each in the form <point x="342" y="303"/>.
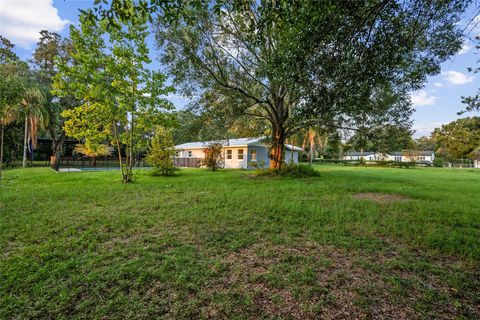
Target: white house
<point x="367" y="155"/>
<point x="400" y="156"/>
<point x="237" y="153"/>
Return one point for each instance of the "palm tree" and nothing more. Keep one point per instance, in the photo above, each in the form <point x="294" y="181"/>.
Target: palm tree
<point x="315" y="138"/>
<point x="6" y="117"/>
<point x="94" y="150"/>
<point x="32" y="108"/>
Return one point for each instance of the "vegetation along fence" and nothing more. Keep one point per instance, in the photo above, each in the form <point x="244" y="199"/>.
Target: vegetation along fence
<point x="187" y="162"/>
<point x="111" y="163"/>
<point x="99" y="163"/>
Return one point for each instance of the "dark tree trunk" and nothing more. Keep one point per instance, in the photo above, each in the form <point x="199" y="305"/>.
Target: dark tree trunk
<point x="1" y="146"/>
<point x="278" y="147"/>
<point x="57" y="148"/>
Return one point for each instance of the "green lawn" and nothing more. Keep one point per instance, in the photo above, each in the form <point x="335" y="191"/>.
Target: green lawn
<point x="229" y="245"/>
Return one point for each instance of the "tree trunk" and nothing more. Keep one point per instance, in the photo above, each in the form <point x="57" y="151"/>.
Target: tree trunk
<point x="25" y="144"/>
<point x="277" y="148"/>
<point x="119" y="151"/>
<point x="57" y="149"/>
<point x="1" y="153"/>
<point x="1" y="146"/>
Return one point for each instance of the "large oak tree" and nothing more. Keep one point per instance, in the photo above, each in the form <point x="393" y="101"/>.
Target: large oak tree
<point x="295" y="64"/>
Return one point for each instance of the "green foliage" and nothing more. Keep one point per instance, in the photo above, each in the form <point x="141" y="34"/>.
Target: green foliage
<point x="438" y="162"/>
<point x="6" y="51"/>
<point x="473" y="102"/>
<point x="162" y="152"/>
<point x="213" y="157"/>
<point x="256" y="164"/>
<point x="263" y="60"/>
<point x="121" y="96"/>
<point x="94" y="150"/>
<point x="365" y="163"/>
<point x="290" y="170"/>
<point x="425" y="144"/>
<point x="458" y="139"/>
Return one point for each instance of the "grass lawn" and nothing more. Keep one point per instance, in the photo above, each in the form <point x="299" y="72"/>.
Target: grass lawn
<point x="82" y="245"/>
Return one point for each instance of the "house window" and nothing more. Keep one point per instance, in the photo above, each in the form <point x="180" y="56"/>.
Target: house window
<point x="398" y="159"/>
<point x="229" y="154"/>
<point x="421" y="158"/>
<point x="240" y="154"/>
<point x="189" y="154"/>
<point x="253" y="155"/>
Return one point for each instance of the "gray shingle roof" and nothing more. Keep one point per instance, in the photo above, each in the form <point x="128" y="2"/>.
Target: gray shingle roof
<point x="240" y="142"/>
<point x="355" y="153"/>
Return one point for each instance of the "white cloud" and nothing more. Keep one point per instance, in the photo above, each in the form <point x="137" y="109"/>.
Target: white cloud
<point x="455" y="77"/>
<point x="465" y="47"/>
<point x="424" y="129"/>
<point x="422" y="98"/>
<point x="22" y="20"/>
<point x="438" y="84"/>
<point x="175" y="96"/>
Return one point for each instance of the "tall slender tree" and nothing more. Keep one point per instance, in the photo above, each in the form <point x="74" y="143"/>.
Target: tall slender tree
<point x="10" y="88"/>
<point x="51" y="50"/>
<point x="120" y="96"/>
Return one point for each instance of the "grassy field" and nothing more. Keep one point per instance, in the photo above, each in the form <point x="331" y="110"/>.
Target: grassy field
<point x="351" y="243"/>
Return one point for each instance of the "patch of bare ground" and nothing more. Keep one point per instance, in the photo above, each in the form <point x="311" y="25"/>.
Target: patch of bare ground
<point x="340" y="284"/>
<point x="380" y="197"/>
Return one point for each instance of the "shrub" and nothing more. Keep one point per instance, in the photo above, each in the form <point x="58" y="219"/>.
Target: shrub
<point x="438" y="162"/>
<point x="291" y="170"/>
<point x="213" y="157"/>
<point x="256" y="164"/>
<point x="161" y="153"/>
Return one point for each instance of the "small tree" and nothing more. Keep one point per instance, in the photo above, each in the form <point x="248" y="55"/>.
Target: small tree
<point x="121" y="97"/>
<point x="162" y="152"/>
<point x="94" y="150"/>
<point x="213" y="156"/>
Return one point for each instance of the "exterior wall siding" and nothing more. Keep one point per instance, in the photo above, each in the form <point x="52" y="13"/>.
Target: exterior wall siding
<point x="246" y="163"/>
<point x="235" y="163"/>
<point x="262" y="156"/>
<point x="288" y="156"/>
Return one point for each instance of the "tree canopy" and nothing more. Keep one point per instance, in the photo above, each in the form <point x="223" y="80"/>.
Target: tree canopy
<point x="295" y="64"/>
<point x="121" y="98"/>
<point x="458" y="139"/>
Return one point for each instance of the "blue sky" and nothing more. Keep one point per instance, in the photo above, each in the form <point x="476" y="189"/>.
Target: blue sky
<point x="437" y="103"/>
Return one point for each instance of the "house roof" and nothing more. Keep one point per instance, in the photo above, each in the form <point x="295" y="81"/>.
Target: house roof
<point x="416" y="153"/>
<point x="355" y="153"/>
<point x="240" y="142"/>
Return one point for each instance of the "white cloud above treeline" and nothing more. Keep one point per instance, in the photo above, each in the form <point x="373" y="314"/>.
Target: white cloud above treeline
<point x="458" y="78"/>
<point x="423" y="98"/>
<point x="22" y="20"/>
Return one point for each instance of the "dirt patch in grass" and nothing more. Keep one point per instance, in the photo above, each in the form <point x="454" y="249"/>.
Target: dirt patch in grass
<point x="318" y="281"/>
<point x="380" y="197"/>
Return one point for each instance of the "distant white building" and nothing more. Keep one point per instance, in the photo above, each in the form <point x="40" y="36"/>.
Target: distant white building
<point x="237" y="153"/>
<point x="399" y="156"/>
<point x="476" y="160"/>
<point x="366" y="155"/>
